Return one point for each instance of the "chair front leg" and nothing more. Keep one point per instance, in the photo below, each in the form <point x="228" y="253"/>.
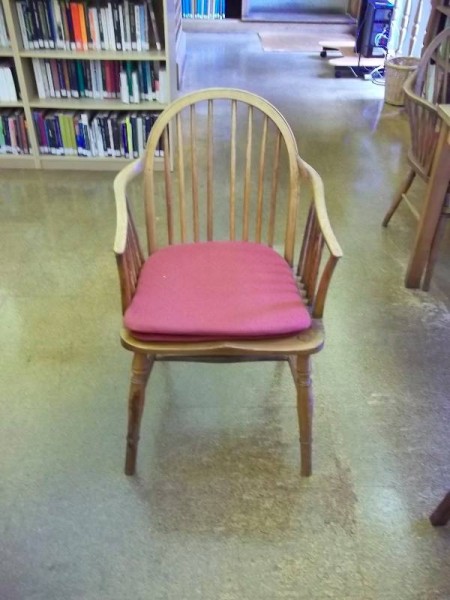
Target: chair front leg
<point x="140" y="372"/>
<point x="305" y="413"/>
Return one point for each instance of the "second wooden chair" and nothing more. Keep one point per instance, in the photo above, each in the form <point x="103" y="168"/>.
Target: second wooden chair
<point x="424" y="89"/>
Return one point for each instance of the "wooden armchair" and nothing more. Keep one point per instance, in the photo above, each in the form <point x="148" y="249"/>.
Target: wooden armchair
<point x="425" y="88"/>
<point x="213" y="287"/>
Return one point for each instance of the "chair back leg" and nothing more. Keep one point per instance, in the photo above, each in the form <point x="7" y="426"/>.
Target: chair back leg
<point x="140" y="372"/>
<point x="438" y="235"/>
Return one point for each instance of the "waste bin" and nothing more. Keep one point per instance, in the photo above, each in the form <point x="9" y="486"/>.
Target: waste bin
<point x="396" y="72"/>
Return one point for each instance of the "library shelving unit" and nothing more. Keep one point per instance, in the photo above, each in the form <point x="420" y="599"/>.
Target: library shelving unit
<point x="170" y="56"/>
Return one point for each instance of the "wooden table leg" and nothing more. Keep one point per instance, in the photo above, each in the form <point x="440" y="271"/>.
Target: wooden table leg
<point x="441" y="515"/>
<point x="436" y="191"/>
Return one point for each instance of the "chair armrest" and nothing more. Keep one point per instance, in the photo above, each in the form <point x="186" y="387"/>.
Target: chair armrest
<point x="127" y="249"/>
<point x="314" y="270"/>
<point x="121" y="181"/>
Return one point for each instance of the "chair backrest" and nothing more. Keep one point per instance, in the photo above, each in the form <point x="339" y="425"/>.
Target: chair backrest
<point x="230" y="172"/>
<point x="425" y="88"/>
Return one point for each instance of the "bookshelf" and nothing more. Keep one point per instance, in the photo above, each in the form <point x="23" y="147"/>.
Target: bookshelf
<point x="119" y="92"/>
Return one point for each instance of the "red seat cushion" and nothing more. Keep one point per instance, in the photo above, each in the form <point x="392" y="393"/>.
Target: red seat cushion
<point x="216" y="290"/>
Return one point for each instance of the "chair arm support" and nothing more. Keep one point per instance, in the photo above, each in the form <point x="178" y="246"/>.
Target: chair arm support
<point x="318" y="233"/>
<point x="127" y="249"/>
<point x="320" y="206"/>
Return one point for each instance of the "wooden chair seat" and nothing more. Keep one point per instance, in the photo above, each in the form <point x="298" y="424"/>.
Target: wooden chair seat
<point x="265" y="199"/>
<point x="307" y="342"/>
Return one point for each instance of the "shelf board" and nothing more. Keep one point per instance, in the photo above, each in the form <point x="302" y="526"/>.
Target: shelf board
<point x="93" y="104"/>
<point x="95" y="55"/>
<point x="6" y="52"/>
<point x="74" y="163"/>
<point x="11" y="104"/>
<point x="14" y="161"/>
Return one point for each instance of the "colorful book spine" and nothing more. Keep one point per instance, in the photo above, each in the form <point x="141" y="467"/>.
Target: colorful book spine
<point x="85" y="134"/>
<point x="87" y="25"/>
<point x="133" y="82"/>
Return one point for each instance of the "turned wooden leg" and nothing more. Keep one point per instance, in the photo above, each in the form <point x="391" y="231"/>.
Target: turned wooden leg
<point x="406" y="184"/>
<point x="305" y="413"/>
<point x="140" y="371"/>
<point x="441" y="515"/>
<point x="439" y="234"/>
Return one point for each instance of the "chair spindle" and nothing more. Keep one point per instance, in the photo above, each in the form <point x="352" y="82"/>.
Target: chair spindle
<point x="262" y="162"/>
<point x="302" y="257"/>
<point x="316" y="254"/>
<point x="168" y="185"/>
<point x="181" y="179"/>
<point x="233" y="171"/>
<point x="210" y="174"/>
<point x="248" y="168"/>
<point x="274" y="189"/>
<point x="194" y="169"/>
<point x="309" y="255"/>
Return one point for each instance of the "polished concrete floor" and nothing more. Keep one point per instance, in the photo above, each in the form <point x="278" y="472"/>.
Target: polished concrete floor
<point x="218" y="510"/>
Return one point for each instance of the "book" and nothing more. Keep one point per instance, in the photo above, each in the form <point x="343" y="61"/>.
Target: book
<point x="44" y="23"/>
<point x="75" y="16"/>
<point x="135" y="98"/>
<point x="4" y="36"/>
<point x="124" y="91"/>
<point x="51" y="23"/>
<point x="55" y="78"/>
<point x="138" y="28"/>
<point x="68" y="25"/>
<point x="8" y="85"/>
<point x="60" y="41"/>
<point x="38" y="78"/>
<point x="154" y="27"/>
<point x="27" y="40"/>
<point x="116" y="26"/>
<point x="132" y="26"/>
<point x="110" y="24"/>
<point x="83" y="28"/>
<point x="33" y="10"/>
